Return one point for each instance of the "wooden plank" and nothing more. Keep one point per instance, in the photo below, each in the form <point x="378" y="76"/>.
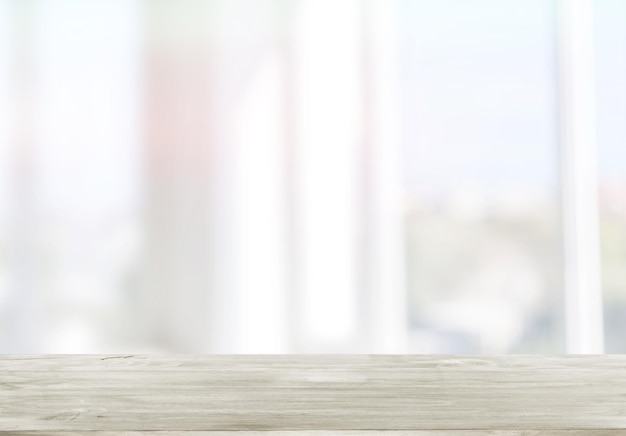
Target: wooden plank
<point x="323" y="433"/>
<point x="357" y="394"/>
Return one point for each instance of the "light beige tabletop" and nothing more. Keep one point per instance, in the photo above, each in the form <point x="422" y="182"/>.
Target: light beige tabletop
<point x="325" y="395"/>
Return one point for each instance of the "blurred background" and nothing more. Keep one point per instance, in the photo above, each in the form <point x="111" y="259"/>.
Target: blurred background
<point x="278" y="176"/>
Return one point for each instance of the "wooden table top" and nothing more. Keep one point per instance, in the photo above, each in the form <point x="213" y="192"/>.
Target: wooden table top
<point x="322" y="395"/>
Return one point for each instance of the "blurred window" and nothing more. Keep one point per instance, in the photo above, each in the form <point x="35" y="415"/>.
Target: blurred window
<point x="224" y="176"/>
<point x="481" y="172"/>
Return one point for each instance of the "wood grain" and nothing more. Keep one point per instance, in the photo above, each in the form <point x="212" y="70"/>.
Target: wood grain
<point x="312" y="395"/>
<point x="324" y="433"/>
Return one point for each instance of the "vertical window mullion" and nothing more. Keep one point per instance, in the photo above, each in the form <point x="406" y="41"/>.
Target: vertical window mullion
<point x="583" y="298"/>
<point x="384" y="289"/>
<point x="327" y="122"/>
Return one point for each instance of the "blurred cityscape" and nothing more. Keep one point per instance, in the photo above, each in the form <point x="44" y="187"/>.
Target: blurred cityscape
<point x="277" y="176"/>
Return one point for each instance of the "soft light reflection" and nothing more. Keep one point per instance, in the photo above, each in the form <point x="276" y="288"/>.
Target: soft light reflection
<point x="327" y="87"/>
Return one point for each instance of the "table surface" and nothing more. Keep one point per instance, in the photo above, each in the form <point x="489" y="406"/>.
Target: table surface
<point x="322" y="395"/>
